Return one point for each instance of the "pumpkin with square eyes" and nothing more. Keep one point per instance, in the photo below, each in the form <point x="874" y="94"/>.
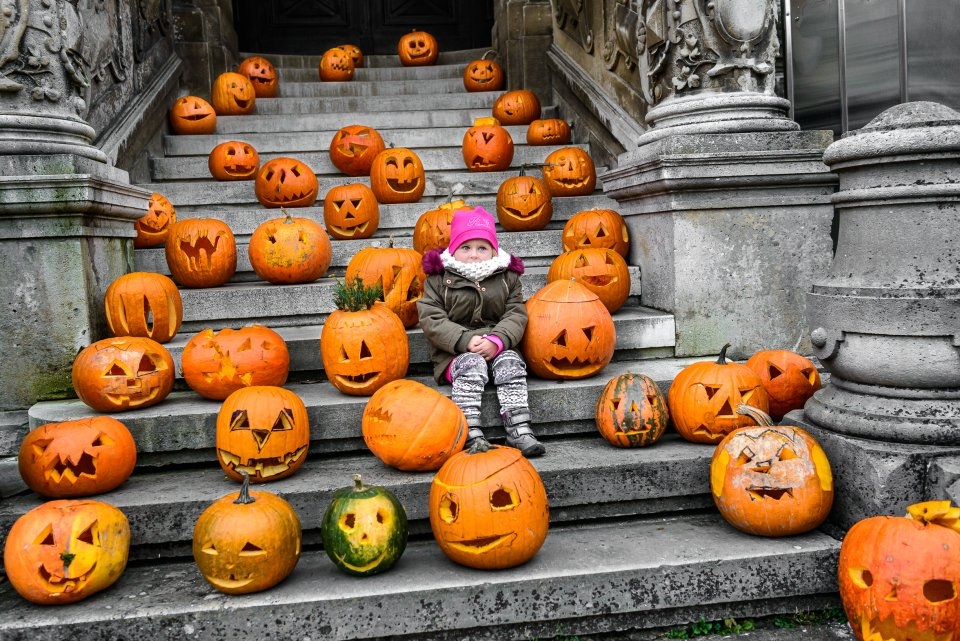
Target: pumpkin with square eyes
<point x="247" y="541"/>
<point x="704" y="396"/>
<point x="126" y="372"/>
<point x="217" y="363"/>
<point x="77" y="458"/>
<point x="353" y="148"/>
<point x="417" y="49"/>
<point x="570" y="334"/>
<point x="397" y="176"/>
<point x="516" y="107"/>
<point x="192" y="115"/>
<point x="631" y="411"/>
<point x="351" y="211"/>
<point x="355" y="53"/>
<point x="398" y="271"/>
<point x="432" y="230"/>
<point x="233" y="160"/>
<point x="336" y="65"/>
<point x="262" y="74"/>
<point x="364" y="529"/>
<point x="487" y="146"/>
<point x="602" y="271"/>
<point x="789" y="379"/>
<point x="898" y="576"/>
<point x="143" y="304"/>
<point x="152" y="228"/>
<point x="233" y="94"/>
<point x="262" y="432"/>
<point x="289" y="250"/>
<point x="489" y="508"/>
<point x="286" y="182"/>
<point x="596" y="228"/>
<point x="524" y="203"/>
<point x="569" y="171"/>
<point x="548" y="131"/>
<point x="771" y="480"/>
<point x="483" y="75"/>
<point x="201" y="252"/>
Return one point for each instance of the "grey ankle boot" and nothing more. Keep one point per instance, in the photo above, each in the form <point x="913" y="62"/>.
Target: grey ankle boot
<point x="519" y="433"/>
<point x="474" y="433"/>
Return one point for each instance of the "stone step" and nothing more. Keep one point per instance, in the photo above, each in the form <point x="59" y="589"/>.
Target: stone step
<point x="376" y="61"/>
<point x="595" y="579"/>
<point x="233" y="126"/>
<point x="411" y="85"/>
<point x="347" y="104"/>
<point x="289" y="75"/>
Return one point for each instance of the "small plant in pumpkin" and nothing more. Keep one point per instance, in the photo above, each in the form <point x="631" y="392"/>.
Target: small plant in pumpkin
<point x="771" y="480"/>
<point x="152" y="228"/>
<point x="262" y="74"/>
<point x="64" y="551"/>
<point x="417" y="49"/>
<point x="399" y="273"/>
<point x="122" y="373"/>
<point x="289" y="250"/>
<point x="351" y="212"/>
<point x="192" y="115"/>
<point x="201" y="252"/>
<point x="336" y="65"/>
<point x="364" y="529"/>
<point x="483" y="74"/>
<point x="432" y="230"/>
<point x="143" y="304"/>
<point x="898" y="576"/>
<point x="353" y="148"/>
<point x="602" y="271"/>
<point x="487" y="146"/>
<point x="524" y="203"/>
<point x="233" y="160"/>
<point x="247" y="541"/>
<point x="77" y="458"/>
<point x="216" y="364"/>
<point x="596" y="228"/>
<point x="488" y="508"/>
<point x="412" y="427"/>
<point x="631" y="411"/>
<point x="363" y="345"/>
<point x="569" y="171"/>
<point x="286" y="182"/>
<point x="233" y="94"/>
<point x="789" y="379"/>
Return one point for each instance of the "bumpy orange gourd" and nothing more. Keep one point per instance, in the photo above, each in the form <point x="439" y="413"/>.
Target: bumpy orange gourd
<point x="201" y="252"/>
<point x="286" y="182"/>
<point x="569" y="171"/>
<point x="432" y="230"/>
<point x="789" y="379"/>
<point x="143" y="304"/>
<point x="704" y="396"/>
<point x="596" y="228"/>
<point x="289" y="250"/>
<point x="548" y="131"/>
<point x="262" y="74"/>
<point x="217" y="363"/>
<point x="399" y="273"/>
<point x="353" y="148"/>
<point x="397" y="176"/>
<point x="516" y="107"/>
<point x="336" y="65"/>
<point x="233" y="160"/>
<point x="64" y="551"/>
<point x="351" y="211"/>
<point x="126" y="372"/>
<point x="233" y="94"/>
<point x="631" y="411"/>
<point x="487" y="146"/>
<point x="417" y="49"/>
<point x="524" y="203"/>
<point x="488" y="508"/>
<point x="77" y="458"/>
<point x="192" y="115"/>
<point x="412" y="427"/>
<point x="152" y="228"/>
<point x="602" y="271"/>
<point x="483" y="75"/>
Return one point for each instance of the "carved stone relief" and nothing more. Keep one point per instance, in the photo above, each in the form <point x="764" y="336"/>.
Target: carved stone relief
<point x="573" y="16"/>
<point x="151" y="23"/>
<point x="103" y="42"/>
<point x="621" y="40"/>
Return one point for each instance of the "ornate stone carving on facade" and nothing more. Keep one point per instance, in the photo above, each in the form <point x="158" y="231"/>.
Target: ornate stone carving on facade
<point x="104" y="49"/>
<point x="621" y="40"/>
<point x="573" y="16"/>
<point x="152" y="22"/>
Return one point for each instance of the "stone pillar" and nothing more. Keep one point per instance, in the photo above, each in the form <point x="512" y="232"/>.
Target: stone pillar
<point x="522" y="34"/>
<point x="726" y="200"/>
<point x="885" y="321"/>
<point x="206" y="40"/>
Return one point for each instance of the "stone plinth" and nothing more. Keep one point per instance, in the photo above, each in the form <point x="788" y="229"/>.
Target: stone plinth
<point x="729" y="231"/>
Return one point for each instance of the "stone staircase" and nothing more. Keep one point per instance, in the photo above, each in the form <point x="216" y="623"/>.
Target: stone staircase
<point x="635" y="542"/>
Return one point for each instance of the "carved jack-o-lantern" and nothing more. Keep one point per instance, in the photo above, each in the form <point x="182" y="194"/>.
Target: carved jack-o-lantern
<point x="192" y="115"/>
<point x="64" y="551"/>
<point x="336" y="65"/>
<point x="631" y="411"/>
<point x="233" y="160"/>
<point x="489" y="508"/>
<point x="233" y="94"/>
<point x="483" y="75"/>
<point x="596" y="228"/>
<point x="899" y="577"/>
<point x="153" y="227"/>
<point x="201" y="252"/>
<point x="351" y="211"/>
<point x="362" y="347"/>
<point x="432" y="230"/>
<point x="126" y="372"/>
<point x="570" y="334"/>
<point x="417" y="49"/>
<point x="263" y="432"/>
<point x="216" y="364"/>
<point x="398" y="271"/>
<point x="143" y="304"/>
<point x="397" y="176"/>
<point x="524" y="203"/>
<point x="289" y="250"/>
<point x="548" y="131"/>
<point x="247" y="541"/>
<point x="517" y="107"/>
<point x="789" y="379"/>
<point x="262" y="74"/>
<point x="353" y="148"/>
<point x="570" y="171"/>
<point x="487" y="146"/>
<point x="704" y="396"/>
<point x="356" y="54"/>
<point x="286" y="182"/>
<point x="602" y="271"/>
<point x="771" y="480"/>
<point x="77" y="458"/>
<point x="393" y="426"/>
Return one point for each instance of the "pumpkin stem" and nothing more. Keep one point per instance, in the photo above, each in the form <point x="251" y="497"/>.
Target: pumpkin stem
<point x="758" y="415"/>
<point x="244" y="497"/>
<point x="480" y="445"/>
<point x="487" y="52"/>
<point x="722" y="360"/>
<point x="936" y="512"/>
<point x="357" y="483"/>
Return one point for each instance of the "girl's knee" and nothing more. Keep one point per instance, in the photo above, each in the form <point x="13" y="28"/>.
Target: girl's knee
<point x="508" y="366"/>
<point x="469" y="364"/>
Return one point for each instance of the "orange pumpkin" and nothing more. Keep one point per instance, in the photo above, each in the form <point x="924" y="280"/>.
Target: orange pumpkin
<point x="262" y="432"/>
<point x="286" y="182"/>
<point x="398" y="271"/>
<point x="596" y="228"/>
<point x="483" y="75"/>
<point x="191" y="115"/>
<point x="788" y="378"/>
<point x="336" y="65"/>
<point x="704" y="397"/>
<point x="356" y="54"/>
<point x="417" y="49"/>
<point x="126" y="372"/>
<point x="152" y="228"/>
<point x="233" y="94"/>
<point x="393" y="425"/>
<point x="353" y="148"/>
<point x="77" y="458"/>
<point x="570" y="334"/>
<point x="397" y="176"/>
<point x="262" y="74"/>
<point x="524" y="203"/>
<point x="487" y="146"/>
<point x="432" y="230"/>
<point x="631" y="411"/>
<point x="216" y="364"/>
<point x="569" y="171"/>
<point x="516" y="107"/>
<point x="289" y="250"/>
<point x="233" y="160"/>
<point x="489" y="508"/>
<point x="602" y="271"/>
<point x="351" y="211"/>
<point x="64" y="551"/>
<point x="144" y="304"/>
<point x="201" y="252"/>
<point x="548" y="131"/>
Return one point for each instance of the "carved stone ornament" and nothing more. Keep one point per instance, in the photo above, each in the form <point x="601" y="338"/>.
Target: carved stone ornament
<point x="573" y="16"/>
<point x="621" y="41"/>
<point x="152" y="22"/>
<point x="103" y="41"/>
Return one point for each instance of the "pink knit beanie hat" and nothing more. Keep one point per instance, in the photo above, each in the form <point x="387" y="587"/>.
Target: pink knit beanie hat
<point x="471" y="224"/>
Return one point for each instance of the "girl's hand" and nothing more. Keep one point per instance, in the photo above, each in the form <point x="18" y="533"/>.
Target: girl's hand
<point x="483" y="346"/>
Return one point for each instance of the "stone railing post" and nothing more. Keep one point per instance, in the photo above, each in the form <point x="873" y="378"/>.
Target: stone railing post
<point x="885" y="321"/>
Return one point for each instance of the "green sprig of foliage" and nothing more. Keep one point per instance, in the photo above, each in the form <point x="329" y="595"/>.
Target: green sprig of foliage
<point x="703" y="628"/>
<point x="355" y="296"/>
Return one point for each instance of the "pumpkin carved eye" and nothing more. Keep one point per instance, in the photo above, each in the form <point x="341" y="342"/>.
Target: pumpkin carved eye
<point x="504" y="498"/>
<point x="939" y="590"/>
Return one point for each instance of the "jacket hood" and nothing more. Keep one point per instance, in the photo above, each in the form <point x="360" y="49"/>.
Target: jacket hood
<point x="433" y="264"/>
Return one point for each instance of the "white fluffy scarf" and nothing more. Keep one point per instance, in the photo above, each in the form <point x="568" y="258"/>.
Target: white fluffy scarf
<point x="475" y="271"/>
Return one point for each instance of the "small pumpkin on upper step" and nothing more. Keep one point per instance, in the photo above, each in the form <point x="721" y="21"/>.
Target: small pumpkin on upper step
<point x="417" y="49"/>
<point x="570" y="171"/>
<point x="336" y="65"/>
<point x="516" y="107"/>
<point x="233" y="94"/>
<point x="152" y="228"/>
<point x="233" y="160"/>
<point x="192" y="115"/>
<point x="351" y="211"/>
<point x="262" y="74"/>
<point x="789" y="379"/>
<point x="487" y="146"/>
<point x="483" y="74"/>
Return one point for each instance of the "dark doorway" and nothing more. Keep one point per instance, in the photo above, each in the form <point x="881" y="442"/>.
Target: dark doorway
<point x="313" y="26"/>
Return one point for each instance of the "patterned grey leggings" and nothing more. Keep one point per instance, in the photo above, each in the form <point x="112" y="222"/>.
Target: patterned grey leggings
<point x="470" y="374"/>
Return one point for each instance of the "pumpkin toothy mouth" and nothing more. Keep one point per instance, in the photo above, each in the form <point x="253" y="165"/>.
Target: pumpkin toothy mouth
<point x="66" y="471"/>
<point x="887" y="630"/>
<point x="356" y="380"/>
<point x="598" y="281"/>
<point x="62" y="584"/>
<point x="403" y="186"/>
<point x="262" y="468"/>
<point x="351" y="231"/>
<point x="567" y="364"/>
<point x="482" y="545"/>
<point x="761" y="493"/>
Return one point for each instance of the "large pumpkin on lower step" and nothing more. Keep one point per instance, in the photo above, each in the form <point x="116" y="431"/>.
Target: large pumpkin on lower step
<point x="631" y="411"/>
<point x="122" y="373"/>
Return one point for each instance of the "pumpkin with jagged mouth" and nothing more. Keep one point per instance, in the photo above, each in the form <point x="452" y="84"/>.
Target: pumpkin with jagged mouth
<point x="351" y="211"/>
<point x="262" y="74"/>
<point x="262" y="432"/>
<point x="126" y="372"/>
<point x="487" y="146"/>
<point x="397" y="176"/>
<point x="524" y="203"/>
<point x="548" y="131"/>
<point x="286" y="182"/>
<point x="570" y="171"/>
<point x="602" y="271"/>
<point x="596" y="228"/>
